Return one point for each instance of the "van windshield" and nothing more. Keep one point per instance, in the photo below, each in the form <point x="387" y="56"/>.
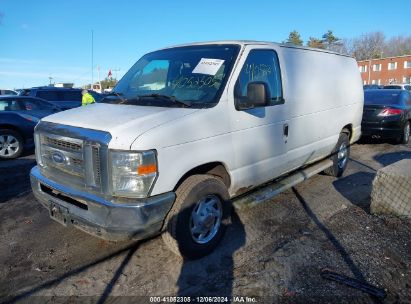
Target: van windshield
<point x="191" y="76"/>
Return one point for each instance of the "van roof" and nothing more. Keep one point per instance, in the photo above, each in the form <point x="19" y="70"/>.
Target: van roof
<point x="253" y="42"/>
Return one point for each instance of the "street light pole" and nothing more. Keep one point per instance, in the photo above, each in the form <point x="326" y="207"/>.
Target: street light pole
<point x="369" y="71"/>
<point x="92" y="58"/>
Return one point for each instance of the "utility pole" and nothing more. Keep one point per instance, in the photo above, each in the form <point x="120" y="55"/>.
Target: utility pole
<point x="369" y="71"/>
<point x="92" y="58"/>
<point x="116" y="70"/>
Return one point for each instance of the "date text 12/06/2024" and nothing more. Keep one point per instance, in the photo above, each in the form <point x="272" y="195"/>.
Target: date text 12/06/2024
<point x="234" y="299"/>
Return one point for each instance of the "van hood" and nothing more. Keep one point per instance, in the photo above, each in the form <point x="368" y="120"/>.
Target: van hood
<point x="124" y="122"/>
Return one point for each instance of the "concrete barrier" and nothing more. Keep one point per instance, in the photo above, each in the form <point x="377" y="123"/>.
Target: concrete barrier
<point x="391" y="190"/>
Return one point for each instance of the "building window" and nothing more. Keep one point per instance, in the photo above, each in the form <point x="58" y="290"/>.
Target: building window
<point x="392" y="66"/>
<point x="407" y="64"/>
<point x="363" y="68"/>
<point x="406" y="80"/>
<point x="376" y="67"/>
<point x="392" y="80"/>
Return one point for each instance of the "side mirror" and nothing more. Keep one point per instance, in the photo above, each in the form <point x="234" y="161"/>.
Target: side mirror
<point x="258" y="95"/>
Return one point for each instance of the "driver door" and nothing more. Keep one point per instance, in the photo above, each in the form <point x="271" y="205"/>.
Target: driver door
<point x="260" y="132"/>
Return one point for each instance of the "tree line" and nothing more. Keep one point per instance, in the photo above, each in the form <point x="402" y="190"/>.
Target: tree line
<point x="366" y="46"/>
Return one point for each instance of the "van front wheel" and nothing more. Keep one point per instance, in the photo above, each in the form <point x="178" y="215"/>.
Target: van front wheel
<point x="196" y="223"/>
<point x="340" y="156"/>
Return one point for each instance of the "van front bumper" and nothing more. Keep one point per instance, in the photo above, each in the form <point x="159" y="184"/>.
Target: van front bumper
<point x="98" y="216"/>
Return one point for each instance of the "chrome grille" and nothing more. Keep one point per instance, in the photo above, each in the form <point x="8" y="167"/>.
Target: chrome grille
<point x="62" y="144"/>
<point x="72" y="156"/>
<point x="96" y="165"/>
<point x="77" y="162"/>
<point x="78" y="159"/>
<point x="69" y="150"/>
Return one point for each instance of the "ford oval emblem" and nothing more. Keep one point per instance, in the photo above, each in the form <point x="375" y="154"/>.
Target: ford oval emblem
<point x="58" y="157"/>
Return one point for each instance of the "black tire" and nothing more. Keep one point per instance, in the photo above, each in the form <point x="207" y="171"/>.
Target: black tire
<point x="179" y="225"/>
<point x="11" y="144"/>
<point x="339" y="160"/>
<point x="405" y="136"/>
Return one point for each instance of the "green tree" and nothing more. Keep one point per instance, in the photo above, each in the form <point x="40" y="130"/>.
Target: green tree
<point x="333" y="43"/>
<point x="108" y="83"/>
<point x="329" y="38"/>
<point x="315" y="43"/>
<point x="294" y="38"/>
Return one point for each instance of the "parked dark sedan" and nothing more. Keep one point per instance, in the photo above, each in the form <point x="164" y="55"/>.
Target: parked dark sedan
<point x="372" y="86"/>
<point x="18" y="117"/>
<point x="387" y="114"/>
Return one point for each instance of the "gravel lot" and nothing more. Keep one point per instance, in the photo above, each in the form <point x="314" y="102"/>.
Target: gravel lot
<point x="274" y="252"/>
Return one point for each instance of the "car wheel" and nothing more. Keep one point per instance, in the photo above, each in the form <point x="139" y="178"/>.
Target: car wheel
<point x="405" y="133"/>
<point x="11" y="144"/>
<point x="197" y="221"/>
<point x="340" y="156"/>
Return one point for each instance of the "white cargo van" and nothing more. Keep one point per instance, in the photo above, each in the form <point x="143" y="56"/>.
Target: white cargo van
<point x="190" y="128"/>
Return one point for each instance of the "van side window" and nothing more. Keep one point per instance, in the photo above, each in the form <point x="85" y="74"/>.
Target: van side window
<point x="260" y="66"/>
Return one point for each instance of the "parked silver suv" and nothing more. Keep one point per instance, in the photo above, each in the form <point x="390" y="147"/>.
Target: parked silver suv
<point x="400" y="86"/>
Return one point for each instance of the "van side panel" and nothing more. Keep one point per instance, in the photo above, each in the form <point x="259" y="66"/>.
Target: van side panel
<point x="324" y="94"/>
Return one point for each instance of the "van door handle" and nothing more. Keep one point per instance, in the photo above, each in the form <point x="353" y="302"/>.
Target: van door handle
<point x="285" y="130"/>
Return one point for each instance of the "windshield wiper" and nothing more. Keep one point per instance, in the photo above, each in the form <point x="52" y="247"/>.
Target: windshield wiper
<point x="172" y="98"/>
<point x="119" y="95"/>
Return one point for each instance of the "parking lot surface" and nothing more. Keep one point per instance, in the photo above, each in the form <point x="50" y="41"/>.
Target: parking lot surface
<point x="275" y="251"/>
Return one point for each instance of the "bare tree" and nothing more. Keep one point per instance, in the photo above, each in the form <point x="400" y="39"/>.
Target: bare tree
<point x="398" y="46"/>
<point x="368" y="46"/>
<point x="346" y="46"/>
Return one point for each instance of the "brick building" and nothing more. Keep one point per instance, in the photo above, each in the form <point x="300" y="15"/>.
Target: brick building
<point x="386" y="70"/>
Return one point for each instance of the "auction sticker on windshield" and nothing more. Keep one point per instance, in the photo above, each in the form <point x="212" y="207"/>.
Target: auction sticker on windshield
<point x="208" y="66"/>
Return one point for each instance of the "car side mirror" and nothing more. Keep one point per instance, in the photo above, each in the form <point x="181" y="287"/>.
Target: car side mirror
<point x="258" y="95"/>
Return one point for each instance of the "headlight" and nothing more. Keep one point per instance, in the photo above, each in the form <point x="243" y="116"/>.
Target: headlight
<point x="133" y="173"/>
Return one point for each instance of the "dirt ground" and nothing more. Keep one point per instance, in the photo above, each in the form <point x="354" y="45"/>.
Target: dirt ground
<point x="273" y="253"/>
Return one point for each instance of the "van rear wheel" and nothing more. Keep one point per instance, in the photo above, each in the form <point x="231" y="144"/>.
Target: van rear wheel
<point x="197" y="221"/>
<point x="340" y="156"/>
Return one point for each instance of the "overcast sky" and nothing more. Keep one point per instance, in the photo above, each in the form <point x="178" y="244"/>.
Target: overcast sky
<point x="49" y="38"/>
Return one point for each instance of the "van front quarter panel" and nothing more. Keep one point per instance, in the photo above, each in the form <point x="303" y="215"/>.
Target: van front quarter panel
<point x="191" y="141"/>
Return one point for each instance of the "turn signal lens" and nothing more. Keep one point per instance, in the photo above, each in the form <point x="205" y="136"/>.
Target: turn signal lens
<point x="147" y="169"/>
<point x="390" y="112"/>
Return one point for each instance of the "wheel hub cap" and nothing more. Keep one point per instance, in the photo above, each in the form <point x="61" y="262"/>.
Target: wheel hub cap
<point x="342" y="155"/>
<point x="205" y="219"/>
<point x="9" y="145"/>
